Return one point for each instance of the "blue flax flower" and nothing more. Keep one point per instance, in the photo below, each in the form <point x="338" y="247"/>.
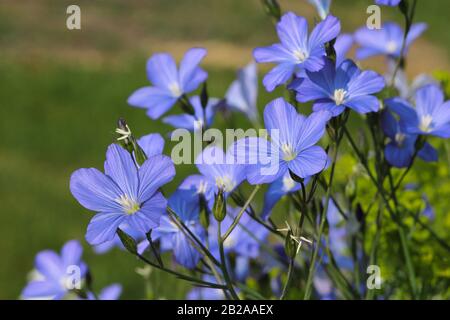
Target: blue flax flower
<point x="244" y="240"/>
<point x="200" y="120"/>
<point x="219" y="171"/>
<point x="385" y="41"/>
<point x="390" y="3"/>
<point x="401" y="148"/>
<point x="174" y="239"/>
<point x="334" y="89"/>
<point x="123" y="194"/>
<point x="296" y="51"/>
<point x="431" y="115"/>
<point x="242" y="93"/>
<point x="291" y="146"/>
<point x="277" y="189"/>
<point x="56" y="275"/>
<point x="168" y="82"/>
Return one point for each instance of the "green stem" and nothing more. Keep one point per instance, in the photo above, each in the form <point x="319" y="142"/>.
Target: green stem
<point x="323" y="219"/>
<point x="241" y="212"/>
<point x="223" y="264"/>
<point x="288" y="280"/>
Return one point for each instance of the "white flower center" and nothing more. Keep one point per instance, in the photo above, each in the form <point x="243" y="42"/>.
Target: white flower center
<point x="225" y="183"/>
<point x="399" y="138"/>
<point x="129" y="205"/>
<point x="288" y="183"/>
<point x="288" y="152"/>
<point x="300" y="55"/>
<point x="175" y="89"/>
<point x="339" y="96"/>
<point x="425" y="123"/>
<point x="391" y="46"/>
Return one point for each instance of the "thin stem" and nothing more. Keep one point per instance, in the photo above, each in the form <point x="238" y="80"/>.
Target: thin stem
<point x="241" y="212"/>
<point x="323" y="219"/>
<point x="223" y="264"/>
<point x="288" y="280"/>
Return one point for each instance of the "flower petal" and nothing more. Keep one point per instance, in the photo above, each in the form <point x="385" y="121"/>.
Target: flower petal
<point x="309" y="162"/>
<point x="149" y="214"/>
<point x="157" y="101"/>
<point x="312" y="129"/>
<point x="191" y="75"/>
<point x="71" y="253"/>
<point x="152" y="144"/>
<point x="293" y="32"/>
<point x="49" y="264"/>
<point x="103" y="227"/>
<point x="278" y="75"/>
<point x="324" y="31"/>
<point x="94" y="190"/>
<point x="119" y="165"/>
<point x="153" y="174"/>
<point x="162" y="70"/>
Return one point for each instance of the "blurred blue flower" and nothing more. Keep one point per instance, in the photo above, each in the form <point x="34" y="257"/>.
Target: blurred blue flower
<point x="391" y="3"/>
<point x="169" y="83"/>
<point x="245" y="240"/>
<point x="385" y="41"/>
<point x="242" y="93"/>
<point x="296" y="51"/>
<point x="172" y="238"/>
<point x="277" y="189"/>
<point x="291" y="146"/>
<point x="401" y="148"/>
<point x="406" y="89"/>
<point x="428" y="211"/>
<point x="342" y="46"/>
<point x="431" y="115"/>
<point x="200" y="120"/>
<point x="124" y="194"/>
<point x="333" y="88"/>
<point x="219" y="170"/>
<point x="152" y="144"/>
<point x="56" y="275"/>
<point x="322" y="6"/>
<point x="111" y="292"/>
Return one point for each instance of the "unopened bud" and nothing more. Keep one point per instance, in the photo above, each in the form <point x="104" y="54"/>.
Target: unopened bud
<point x="219" y="208"/>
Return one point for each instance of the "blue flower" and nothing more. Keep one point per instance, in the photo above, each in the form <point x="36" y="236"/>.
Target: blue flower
<point x="342" y="46"/>
<point x="242" y="93"/>
<point x="428" y="211"/>
<point x="219" y="170"/>
<point x="333" y="88"/>
<point x="169" y="83"/>
<point x="291" y="146"/>
<point x="401" y="148"/>
<point x="322" y="6"/>
<point x="277" y="189"/>
<point x="385" y="41"/>
<point x="296" y="51"/>
<point x="55" y="275"/>
<point x="431" y="115"/>
<point x="124" y="194"/>
<point x="244" y="240"/>
<point x="111" y="292"/>
<point x="174" y="239"/>
<point x="152" y="144"/>
<point x="199" y="185"/>
<point x="201" y="119"/>
<point x="405" y="89"/>
<point x="391" y="3"/>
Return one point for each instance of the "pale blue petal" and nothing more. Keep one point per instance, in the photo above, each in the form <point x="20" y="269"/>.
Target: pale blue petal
<point x="152" y="144"/>
<point x="309" y="162"/>
<point x="94" y="190"/>
<point x="103" y="227"/>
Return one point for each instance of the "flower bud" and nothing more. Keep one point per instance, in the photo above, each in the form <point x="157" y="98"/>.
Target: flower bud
<point x="219" y="208"/>
<point x="204" y="212"/>
<point x="290" y="245"/>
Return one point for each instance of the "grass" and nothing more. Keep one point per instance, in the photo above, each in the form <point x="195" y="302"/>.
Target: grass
<point x="62" y="93"/>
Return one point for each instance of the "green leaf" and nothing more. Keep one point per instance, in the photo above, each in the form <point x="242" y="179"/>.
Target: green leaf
<point x="128" y="242"/>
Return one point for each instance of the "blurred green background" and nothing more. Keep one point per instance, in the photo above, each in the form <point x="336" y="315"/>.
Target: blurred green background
<point x="62" y="91"/>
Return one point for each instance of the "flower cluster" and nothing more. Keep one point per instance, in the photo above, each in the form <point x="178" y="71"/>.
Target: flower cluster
<point x="210" y="224"/>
